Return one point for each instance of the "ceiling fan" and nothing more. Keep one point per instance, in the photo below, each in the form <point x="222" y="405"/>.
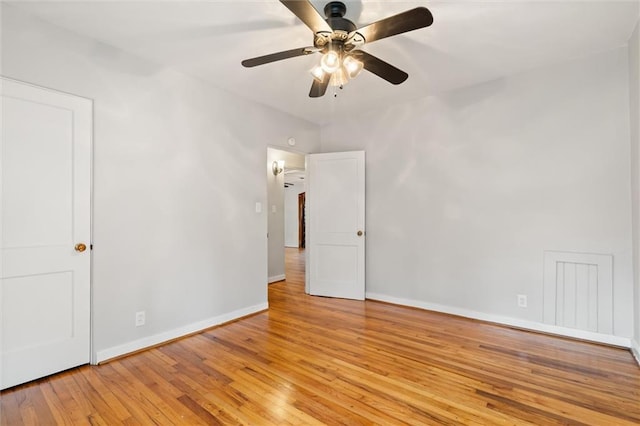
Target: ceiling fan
<point x="339" y="41"/>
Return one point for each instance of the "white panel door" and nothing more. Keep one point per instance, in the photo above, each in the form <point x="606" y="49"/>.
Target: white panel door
<point x="46" y="211"/>
<point x="335" y="225"/>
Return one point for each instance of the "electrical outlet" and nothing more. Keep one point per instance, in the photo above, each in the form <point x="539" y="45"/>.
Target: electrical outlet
<point x="140" y="318"/>
<point x="522" y="300"/>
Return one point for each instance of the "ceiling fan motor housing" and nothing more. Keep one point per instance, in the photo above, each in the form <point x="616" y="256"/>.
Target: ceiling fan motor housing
<point x="335" y="11"/>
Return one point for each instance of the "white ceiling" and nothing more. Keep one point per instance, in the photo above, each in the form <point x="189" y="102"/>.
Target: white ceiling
<point x="470" y="41"/>
<point x="295" y="177"/>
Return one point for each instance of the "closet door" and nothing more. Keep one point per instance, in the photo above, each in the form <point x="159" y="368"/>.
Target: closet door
<point x="46" y="224"/>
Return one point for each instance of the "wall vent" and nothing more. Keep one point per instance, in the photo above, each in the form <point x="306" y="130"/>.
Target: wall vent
<point x="578" y="291"/>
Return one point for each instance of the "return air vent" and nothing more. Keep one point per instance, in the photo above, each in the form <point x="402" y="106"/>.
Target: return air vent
<point x="578" y="291"/>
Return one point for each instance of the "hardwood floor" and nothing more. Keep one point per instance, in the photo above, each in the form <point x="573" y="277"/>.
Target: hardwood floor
<point x="311" y="360"/>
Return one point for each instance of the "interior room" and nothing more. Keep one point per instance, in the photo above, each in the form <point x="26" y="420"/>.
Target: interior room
<point x="501" y="144"/>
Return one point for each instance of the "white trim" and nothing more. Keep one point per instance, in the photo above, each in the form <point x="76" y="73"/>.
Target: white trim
<point x="156" y="339"/>
<point x="276" y="278"/>
<point x="513" y="322"/>
<point x="635" y="350"/>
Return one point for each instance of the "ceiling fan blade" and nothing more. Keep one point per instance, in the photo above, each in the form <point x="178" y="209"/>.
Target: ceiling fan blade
<point x="382" y="69"/>
<point x="261" y="60"/>
<point x="308" y="14"/>
<point x="410" y="20"/>
<point x="318" y="89"/>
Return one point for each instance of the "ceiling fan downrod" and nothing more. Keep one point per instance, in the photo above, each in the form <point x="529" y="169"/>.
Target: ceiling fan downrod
<point x="335" y="11"/>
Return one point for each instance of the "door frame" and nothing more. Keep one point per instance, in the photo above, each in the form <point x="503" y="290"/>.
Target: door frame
<point x="302" y="223"/>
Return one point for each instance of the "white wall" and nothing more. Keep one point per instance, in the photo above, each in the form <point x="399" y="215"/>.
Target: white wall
<point x="175" y="232"/>
<point x="634" y="109"/>
<point x="465" y="191"/>
<point x="291" y="213"/>
<point x="277" y="218"/>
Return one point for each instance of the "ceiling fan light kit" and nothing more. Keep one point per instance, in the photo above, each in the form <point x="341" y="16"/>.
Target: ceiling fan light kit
<point x="339" y="41"/>
<point x="352" y="66"/>
<point x="330" y="61"/>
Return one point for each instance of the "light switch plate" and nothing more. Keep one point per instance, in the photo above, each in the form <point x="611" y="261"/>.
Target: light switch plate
<point x="140" y="318"/>
<point x="522" y="300"/>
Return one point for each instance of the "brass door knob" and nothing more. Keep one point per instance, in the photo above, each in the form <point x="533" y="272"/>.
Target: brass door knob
<point x="360" y="233"/>
<point x="80" y="247"/>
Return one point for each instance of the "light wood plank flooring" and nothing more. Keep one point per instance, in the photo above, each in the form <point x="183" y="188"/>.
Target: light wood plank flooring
<point x="311" y="360"/>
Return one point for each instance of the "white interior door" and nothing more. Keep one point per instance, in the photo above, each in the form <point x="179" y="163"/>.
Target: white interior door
<point x="46" y="211"/>
<point x="335" y="225"/>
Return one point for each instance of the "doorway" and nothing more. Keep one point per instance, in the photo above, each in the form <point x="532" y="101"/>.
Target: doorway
<point x="285" y="183"/>
<point x="334" y="237"/>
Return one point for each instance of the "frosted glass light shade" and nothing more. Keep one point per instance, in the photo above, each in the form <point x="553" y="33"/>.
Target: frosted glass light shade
<point x="339" y="78"/>
<point x="352" y="66"/>
<point x="330" y="62"/>
<point x="318" y="73"/>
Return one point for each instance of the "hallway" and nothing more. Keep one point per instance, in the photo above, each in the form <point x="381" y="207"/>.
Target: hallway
<point x="294" y="265"/>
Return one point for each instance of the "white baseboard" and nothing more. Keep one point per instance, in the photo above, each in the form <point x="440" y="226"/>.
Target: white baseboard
<point x="146" y="342"/>
<point x="513" y="322"/>
<point x="276" y="278"/>
<point x="635" y="350"/>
